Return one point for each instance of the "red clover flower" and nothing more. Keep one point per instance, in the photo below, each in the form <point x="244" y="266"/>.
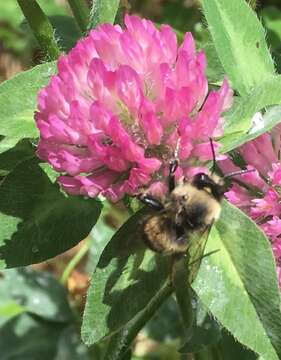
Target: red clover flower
<point x="123" y="103"/>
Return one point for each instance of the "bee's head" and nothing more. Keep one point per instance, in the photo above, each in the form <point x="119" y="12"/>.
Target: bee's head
<point x="212" y="184"/>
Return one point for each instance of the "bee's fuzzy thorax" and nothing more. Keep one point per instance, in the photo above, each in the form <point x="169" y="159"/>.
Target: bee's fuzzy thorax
<point x="191" y="206"/>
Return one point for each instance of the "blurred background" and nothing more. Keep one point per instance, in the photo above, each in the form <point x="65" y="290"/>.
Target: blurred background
<point x="41" y="307"/>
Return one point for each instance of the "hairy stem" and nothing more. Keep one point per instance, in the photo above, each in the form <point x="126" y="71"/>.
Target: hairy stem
<point x="253" y="4"/>
<point x="102" y="11"/>
<point x="41" y="27"/>
<point x="81" y="13"/>
<point x="120" y="342"/>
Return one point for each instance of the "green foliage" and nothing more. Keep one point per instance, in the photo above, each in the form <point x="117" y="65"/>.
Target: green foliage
<point x="183" y="294"/>
<point x="238" y="284"/>
<point x="205" y="331"/>
<point x="35" y="292"/>
<point x="11" y="13"/>
<point x="41" y="27"/>
<point x="166" y="324"/>
<point x="240" y="117"/>
<point x="118" y="346"/>
<point x="271" y="18"/>
<point x="66" y="31"/>
<point x="240" y="42"/>
<point x="232" y="350"/>
<point x="103" y="11"/>
<point x="126" y="279"/>
<point x="18" y="101"/>
<point x="266" y="122"/>
<point x="100" y="235"/>
<point x="37" y="220"/>
<point x="14" y="156"/>
<point x="81" y="13"/>
<point x="45" y="326"/>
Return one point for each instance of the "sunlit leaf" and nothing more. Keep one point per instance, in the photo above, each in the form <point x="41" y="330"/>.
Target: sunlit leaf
<point x="18" y="101"/>
<point x="238" y="284"/>
<point x="126" y="279"/>
<point x="239" y="118"/>
<point x="240" y="42"/>
<point x="267" y="121"/>
<point x="37" y="220"/>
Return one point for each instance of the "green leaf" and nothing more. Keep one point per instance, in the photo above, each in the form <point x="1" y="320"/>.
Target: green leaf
<point x="41" y="27"/>
<point x="21" y="152"/>
<point x="23" y="337"/>
<point x="267" y="121"/>
<point x="205" y="331"/>
<point x="183" y="294"/>
<point x="70" y="346"/>
<point x="28" y="338"/>
<point x="120" y="342"/>
<point x="126" y="279"/>
<point x="240" y="42"/>
<point x="8" y="310"/>
<point x="10" y="11"/>
<point x="166" y="323"/>
<point x="67" y="32"/>
<point x="238" y="284"/>
<point x="103" y="11"/>
<point x="239" y="118"/>
<point x="180" y="15"/>
<point x="99" y="237"/>
<point x="47" y="329"/>
<point x="271" y="18"/>
<point x="18" y="101"/>
<point x="214" y="71"/>
<point x="112" y="218"/>
<point x="81" y="11"/>
<point x="233" y="350"/>
<point x="36" y="292"/>
<point x="37" y="220"/>
<point x="52" y="7"/>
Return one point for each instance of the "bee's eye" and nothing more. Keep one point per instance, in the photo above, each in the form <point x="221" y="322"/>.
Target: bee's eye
<point x="200" y="180"/>
<point x="203" y="177"/>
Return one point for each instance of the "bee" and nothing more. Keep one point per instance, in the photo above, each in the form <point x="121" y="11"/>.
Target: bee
<point x="190" y="207"/>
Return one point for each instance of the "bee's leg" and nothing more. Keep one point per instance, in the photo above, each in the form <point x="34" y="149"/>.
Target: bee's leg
<point x="151" y="201"/>
<point x="171" y="179"/>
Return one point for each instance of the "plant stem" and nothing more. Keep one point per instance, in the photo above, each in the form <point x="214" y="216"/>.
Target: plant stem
<point x="41" y="27"/>
<point x="81" y="13"/>
<point x="120" y="342"/>
<point x="102" y="11"/>
<point x="253" y="4"/>
<point x="183" y="294"/>
<point x="74" y="261"/>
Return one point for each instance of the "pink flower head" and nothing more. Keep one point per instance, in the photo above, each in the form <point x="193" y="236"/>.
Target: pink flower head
<point x="123" y="103"/>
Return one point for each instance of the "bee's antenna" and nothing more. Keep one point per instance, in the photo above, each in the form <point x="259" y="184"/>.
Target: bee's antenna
<point x="214" y="155"/>
<point x="239" y="172"/>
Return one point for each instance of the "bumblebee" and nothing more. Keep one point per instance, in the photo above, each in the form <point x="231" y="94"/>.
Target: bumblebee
<point x="191" y="206"/>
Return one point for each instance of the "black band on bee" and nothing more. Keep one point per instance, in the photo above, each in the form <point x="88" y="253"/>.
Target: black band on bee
<point x="203" y="182"/>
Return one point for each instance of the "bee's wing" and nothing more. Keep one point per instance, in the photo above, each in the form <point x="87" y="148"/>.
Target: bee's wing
<point x="196" y="250"/>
